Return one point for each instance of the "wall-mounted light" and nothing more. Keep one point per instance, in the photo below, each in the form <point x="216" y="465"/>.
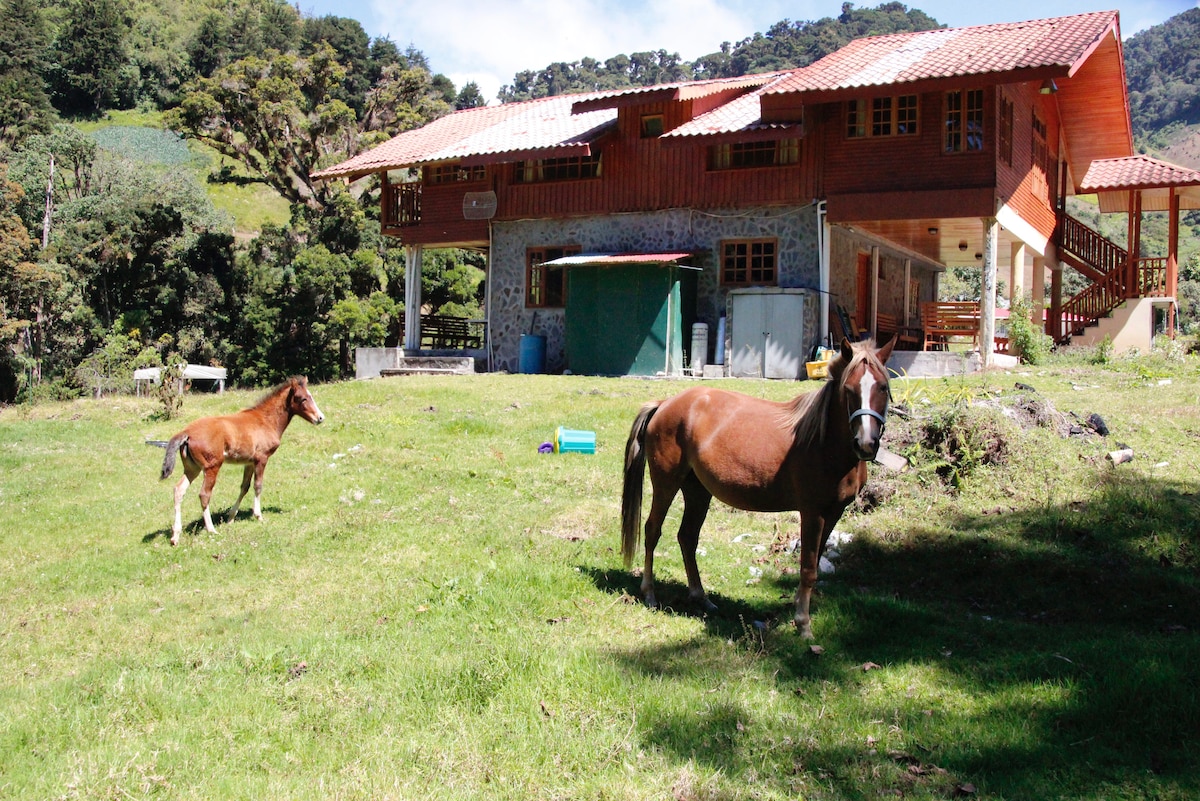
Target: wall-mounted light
<point x="978" y="256"/>
<point x="933" y="230"/>
<point x="1048" y="87"/>
<point x="963" y="246"/>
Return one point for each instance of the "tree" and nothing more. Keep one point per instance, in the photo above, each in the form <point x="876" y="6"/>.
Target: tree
<point x="24" y="103"/>
<point x="89" y="57"/>
<point x="469" y="97"/>
<point x="208" y="49"/>
<point x="274" y="115"/>
<point x="352" y="50"/>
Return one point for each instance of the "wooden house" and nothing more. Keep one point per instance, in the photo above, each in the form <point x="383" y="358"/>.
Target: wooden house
<point x="803" y="202"/>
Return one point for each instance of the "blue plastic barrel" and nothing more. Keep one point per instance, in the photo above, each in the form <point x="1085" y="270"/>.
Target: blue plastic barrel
<point x="567" y="440"/>
<point x="533" y="354"/>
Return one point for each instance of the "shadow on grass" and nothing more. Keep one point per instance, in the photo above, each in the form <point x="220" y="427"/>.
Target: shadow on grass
<point x="731" y="620"/>
<point x="196" y="527"/>
<point x="1051" y="653"/>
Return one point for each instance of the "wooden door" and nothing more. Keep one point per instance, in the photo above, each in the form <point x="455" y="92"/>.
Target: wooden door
<point x="862" y="301"/>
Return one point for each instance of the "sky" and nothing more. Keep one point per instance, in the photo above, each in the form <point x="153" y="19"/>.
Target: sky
<point x="490" y="42"/>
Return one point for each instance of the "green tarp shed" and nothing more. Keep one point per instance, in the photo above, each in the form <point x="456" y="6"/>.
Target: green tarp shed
<point x="626" y="313"/>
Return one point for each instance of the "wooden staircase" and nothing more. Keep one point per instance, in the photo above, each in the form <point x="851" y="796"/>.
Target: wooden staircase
<point x="1115" y="277"/>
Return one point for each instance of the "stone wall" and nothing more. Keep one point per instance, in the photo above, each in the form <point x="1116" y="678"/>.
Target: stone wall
<point x="679" y="230"/>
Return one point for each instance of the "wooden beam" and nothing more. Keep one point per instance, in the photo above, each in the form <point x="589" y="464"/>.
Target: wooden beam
<point x="1173" y="262"/>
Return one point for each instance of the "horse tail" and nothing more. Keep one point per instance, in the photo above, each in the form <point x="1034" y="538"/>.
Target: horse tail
<point x="635" y="472"/>
<point x="173" y="446"/>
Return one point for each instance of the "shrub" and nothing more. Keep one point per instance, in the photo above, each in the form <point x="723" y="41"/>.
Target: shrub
<point x="1025" y="340"/>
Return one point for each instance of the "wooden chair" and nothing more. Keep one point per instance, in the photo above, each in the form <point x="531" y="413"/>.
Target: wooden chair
<point x="941" y="320"/>
<point x="886" y="327"/>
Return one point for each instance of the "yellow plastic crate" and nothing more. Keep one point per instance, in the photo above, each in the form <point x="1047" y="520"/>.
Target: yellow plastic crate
<point x="817" y="369"/>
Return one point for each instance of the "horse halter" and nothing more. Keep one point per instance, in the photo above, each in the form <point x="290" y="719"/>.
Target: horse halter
<point x="857" y="413"/>
<point x="869" y="412"/>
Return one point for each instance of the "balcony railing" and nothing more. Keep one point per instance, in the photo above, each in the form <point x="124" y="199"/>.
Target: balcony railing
<point x="1091" y="247"/>
<point x="401" y="205"/>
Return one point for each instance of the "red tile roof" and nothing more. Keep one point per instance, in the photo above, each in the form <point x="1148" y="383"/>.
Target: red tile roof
<point x="567" y="124"/>
<point x="680" y="90"/>
<point x="742" y="114"/>
<point x="536" y="125"/>
<point x="1061" y="42"/>
<point x="1135" y="172"/>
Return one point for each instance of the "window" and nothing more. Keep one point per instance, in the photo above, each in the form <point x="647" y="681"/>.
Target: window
<point x="748" y="262"/>
<point x="754" y="154"/>
<point x="454" y="173"/>
<point x="964" y="120"/>
<point x="856" y="118"/>
<point x="906" y="115"/>
<point x="652" y="126"/>
<point x="546" y="285"/>
<point x="1005" y="133"/>
<point x="569" y="168"/>
<point x="888" y="116"/>
<point x="881" y="116"/>
<point x="1042" y="162"/>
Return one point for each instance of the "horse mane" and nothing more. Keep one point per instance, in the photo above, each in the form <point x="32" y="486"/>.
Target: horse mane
<point x="807" y="414"/>
<point x="296" y="380"/>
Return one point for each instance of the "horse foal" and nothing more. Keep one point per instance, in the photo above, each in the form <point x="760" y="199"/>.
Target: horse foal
<point x="248" y="437"/>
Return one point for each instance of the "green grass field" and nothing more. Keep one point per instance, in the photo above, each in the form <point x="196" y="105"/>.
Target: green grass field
<point x="433" y="610"/>
<point x="140" y="137"/>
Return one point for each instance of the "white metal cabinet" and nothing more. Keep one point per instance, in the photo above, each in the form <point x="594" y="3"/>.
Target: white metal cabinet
<point x="767" y="333"/>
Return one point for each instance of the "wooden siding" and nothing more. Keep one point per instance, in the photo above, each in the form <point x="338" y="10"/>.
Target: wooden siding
<point x="636" y="175"/>
<point x="442" y="222"/>
<point x="1033" y="200"/>
<point x="891" y="164"/>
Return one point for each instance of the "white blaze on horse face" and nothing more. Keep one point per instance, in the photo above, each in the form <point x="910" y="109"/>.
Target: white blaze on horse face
<point x="317" y="416"/>
<point x="868" y="423"/>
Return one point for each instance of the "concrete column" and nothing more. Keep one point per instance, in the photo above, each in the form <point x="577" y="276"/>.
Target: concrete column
<point x="412" y="297"/>
<point x="987" y="294"/>
<point x="1054" y="324"/>
<point x="1037" y="312"/>
<point x="1016" y="273"/>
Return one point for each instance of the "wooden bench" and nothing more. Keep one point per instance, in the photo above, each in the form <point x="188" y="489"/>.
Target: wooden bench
<point x="449" y="333"/>
<point x="439" y="332"/>
<point x="887" y="326"/>
<point x="941" y="320"/>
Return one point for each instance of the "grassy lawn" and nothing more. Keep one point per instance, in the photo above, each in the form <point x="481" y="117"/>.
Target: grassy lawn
<point x="431" y="609"/>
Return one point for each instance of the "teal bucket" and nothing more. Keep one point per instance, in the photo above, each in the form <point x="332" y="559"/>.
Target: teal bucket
<point x="533" y="354"/>
<point x="568" y="440"/>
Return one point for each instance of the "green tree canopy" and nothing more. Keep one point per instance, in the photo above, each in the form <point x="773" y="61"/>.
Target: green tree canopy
<point x="24" y="102"/>
<point x="89" y="58"/>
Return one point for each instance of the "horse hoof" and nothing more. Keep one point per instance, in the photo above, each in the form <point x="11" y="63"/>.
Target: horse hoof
<point x="804" y="629"/>
<point x="707" y="606"/>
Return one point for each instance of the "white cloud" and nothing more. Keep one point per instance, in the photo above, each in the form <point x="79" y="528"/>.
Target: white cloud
<point x="490" y="43"/>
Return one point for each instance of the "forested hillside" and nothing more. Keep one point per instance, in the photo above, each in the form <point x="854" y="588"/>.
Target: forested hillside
<point x="785" y="45"/>
<point x="155" y="199"/>
<point x="112" y="251"/>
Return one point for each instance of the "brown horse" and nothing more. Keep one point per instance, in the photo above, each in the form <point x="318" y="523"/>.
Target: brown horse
<point x="808" y="454"/>
<point x="247" y="437"/>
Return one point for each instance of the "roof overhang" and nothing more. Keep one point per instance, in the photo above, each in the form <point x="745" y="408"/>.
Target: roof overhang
<point x="613" y="259"/>
<point x="1115" y="181"/>
<point x="690" y="90"/>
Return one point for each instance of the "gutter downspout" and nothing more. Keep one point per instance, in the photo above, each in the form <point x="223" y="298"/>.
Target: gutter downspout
<point x="823" y="268"/>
